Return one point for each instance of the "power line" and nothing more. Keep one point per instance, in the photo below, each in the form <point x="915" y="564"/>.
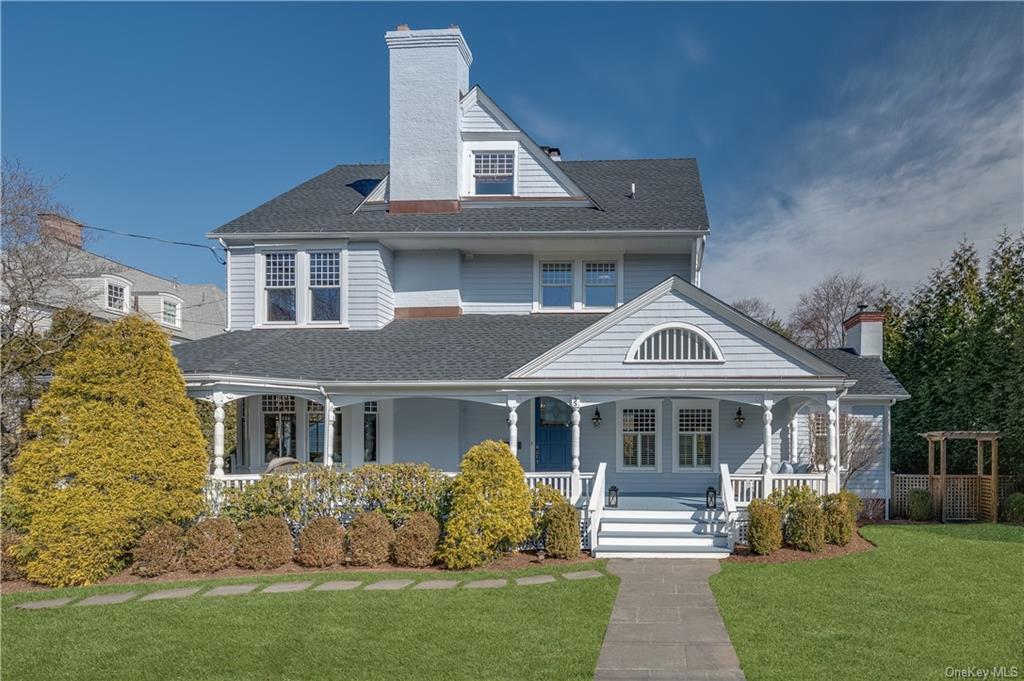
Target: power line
<point x="212" y="249"/>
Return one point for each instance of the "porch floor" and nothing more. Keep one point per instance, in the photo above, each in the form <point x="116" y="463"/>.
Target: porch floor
<point x="654" y="501"/>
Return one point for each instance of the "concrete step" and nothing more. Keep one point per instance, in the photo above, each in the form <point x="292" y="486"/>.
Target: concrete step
<point x="699" y="532"/>
<point x="704" y="515"/>
<point x="653" y="551"/>
<point x="693" y="541"/>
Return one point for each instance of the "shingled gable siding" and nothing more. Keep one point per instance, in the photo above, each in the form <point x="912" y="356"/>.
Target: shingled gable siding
<point x="477" y="119"/>
<point x="534" y="179"/>
<point x="371" y="298"/>
<point x="497" y="284"/>
<point x="642" y="272"/>
<point x="242" y="284"/>
<point x="604" y="355"/>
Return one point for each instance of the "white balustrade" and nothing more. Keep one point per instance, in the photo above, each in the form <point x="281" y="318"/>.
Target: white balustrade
<point x="816" y="481"/>
<point x="746" y="488"/>
<point x="595" y="505"/>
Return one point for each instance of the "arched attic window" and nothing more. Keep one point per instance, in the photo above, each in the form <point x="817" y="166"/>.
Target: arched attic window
<point x="674" y="342"/>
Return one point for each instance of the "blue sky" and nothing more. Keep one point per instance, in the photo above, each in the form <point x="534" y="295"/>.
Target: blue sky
<point x="865" y="137"/>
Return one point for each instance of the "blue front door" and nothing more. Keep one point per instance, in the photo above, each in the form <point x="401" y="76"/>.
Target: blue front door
<point x="553" y="437"/>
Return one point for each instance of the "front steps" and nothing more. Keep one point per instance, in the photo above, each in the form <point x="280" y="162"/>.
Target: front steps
<point x="661" y="534"/>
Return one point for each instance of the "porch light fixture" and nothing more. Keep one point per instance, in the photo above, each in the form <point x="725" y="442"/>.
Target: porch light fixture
<point x="596" y="419"/>
<point x="739" y="417"/>
<point x="710" y="498"/>
<point x="613" y="497"/>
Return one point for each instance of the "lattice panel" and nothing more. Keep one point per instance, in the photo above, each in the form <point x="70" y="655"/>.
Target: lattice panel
<point x="961" y="497"/>
<point x="985" y="498"/>
<point x="901" y="486"/>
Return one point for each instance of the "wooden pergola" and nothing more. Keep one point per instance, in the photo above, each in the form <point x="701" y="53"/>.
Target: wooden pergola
<point x="964" y="497"/>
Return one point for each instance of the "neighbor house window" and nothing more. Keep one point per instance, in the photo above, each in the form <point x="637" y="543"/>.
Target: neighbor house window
<point x="116" y="297"/>
<point x="600" y="284"/>
<point x="279" y="284"/>
<point x="493" y="172"/>
<point x="325" y="286"/>
<point x="370" y="432"/>
<point x="694" y="434"/>
<point x="278" y="426"/>
<point x="171" y="310"/>
<point x="556" y="285"/>
<point x="639" y="437"/>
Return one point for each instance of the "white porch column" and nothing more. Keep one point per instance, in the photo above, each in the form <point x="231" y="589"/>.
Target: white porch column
<point x="766" y="465"/>
<point x="794" y="439"/>
<point x="218" y="435"/>
<point x="832" y="477"/>
<point x="328" y="432"/>
<point x="513" y="430"/>
<point x="575" y="484"/>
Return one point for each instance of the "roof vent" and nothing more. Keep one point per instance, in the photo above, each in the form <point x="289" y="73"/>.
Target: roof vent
<point x="632" y="189"/>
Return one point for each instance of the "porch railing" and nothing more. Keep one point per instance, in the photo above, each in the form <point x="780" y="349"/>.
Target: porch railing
<point x="595" y="506"/>
<point x="745" y="488"/>
<point x="816" y="481"/>
<point x="560" y="481"/>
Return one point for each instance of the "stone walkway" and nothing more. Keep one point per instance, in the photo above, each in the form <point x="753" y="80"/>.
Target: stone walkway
<point x="665" y="624"/>
<point x="225" y="590"/>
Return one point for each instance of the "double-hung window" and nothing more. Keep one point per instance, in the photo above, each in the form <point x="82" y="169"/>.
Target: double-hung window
<point x="325" y="286"/>
<point x="639" y="428"/>
<point x="171" y="311"/>
<point x="279" y="286"/>
<point x="600" y="284"/>
<point x="494" y="173"/>
<point x="371" y="436"/>
<point x="695" y="433"/>
<point x="556" y="285"/>
<point x="278" y="426"/>
<point x="818" y="426"/>
<point x="117" y="298"/>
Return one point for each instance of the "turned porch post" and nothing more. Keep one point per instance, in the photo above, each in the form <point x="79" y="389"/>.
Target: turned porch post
<point x="513" y="430"/>
<point x="832" y="473"/>
<point x="575" y="483"/>
<point x="766" y="466"/>
<point x="794" y="439"/>
<point x="328" y="432"/>
<point x="218" y="435"/>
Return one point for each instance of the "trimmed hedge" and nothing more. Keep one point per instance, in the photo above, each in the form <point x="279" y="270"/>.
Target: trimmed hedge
<point x="764" y="533"/>
<point x="805" y="527"/>
<point x="263" y="543"/>
<point x="840" y="516"/>
<point x="398" y="490"/>
<point x="11" y="565"/>
<point x="1013" y="508"/>
<point x="321" y="543"/>
<point x="370" y="537"/>
<point x="562" y="532"/>
<point x="919" y="505"/>
<point x="159" y="551"/>
<point x="416" y="541"/>
<point x="210" y="545"/>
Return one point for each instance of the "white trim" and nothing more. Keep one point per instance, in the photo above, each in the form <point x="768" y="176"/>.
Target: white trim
<point x="303" y="310"/>
<point x="125" y="284"/>
<point x="179" y="306"/>
<point x="655" y="404"/>
<point x="635" y="347"/>
<point x="469" y="150"/>
<point x="713" y="405"/>
<point x="579" y="264"/>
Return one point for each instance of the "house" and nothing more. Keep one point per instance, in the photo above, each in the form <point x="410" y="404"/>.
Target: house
<point x="480" y="287"/>
<point x="109" y="290"/>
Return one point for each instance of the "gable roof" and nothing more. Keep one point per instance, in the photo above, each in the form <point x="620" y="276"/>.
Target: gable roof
<point x="871" y="374"/>
<point x="668" y="197"/>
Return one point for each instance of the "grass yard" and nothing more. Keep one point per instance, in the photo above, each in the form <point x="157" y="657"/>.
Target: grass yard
<point x="929" y="597"/>
<point x="550" y="631"/>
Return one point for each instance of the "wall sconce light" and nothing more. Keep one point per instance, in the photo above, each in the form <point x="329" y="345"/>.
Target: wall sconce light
<point x="739" y="417"/>
<point x="596" y="420"/>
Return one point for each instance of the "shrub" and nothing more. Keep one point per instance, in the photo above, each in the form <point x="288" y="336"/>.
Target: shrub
<point x="490" y="508"/>
<point x="210" y="545"/>
<point x="543" y="497"/>
<point x="118" y="449"/>
<point x="919" y="505"/>
<point x="370" y="536"/>
<point x="764" y="534"/>
<point x="272" y="496"/>
<point x="263" y="543"/>
<point x="159" y="551"/>
<point x="785" y="501"/>
<point x="416" y="540"/>
<point x="562" y="532"/>
<point x="840" y="517"/>
<point x="321" y="543"/>
<point x="11" y="566"/>
<point x="399" y="490"/>
<point x="805" y="527"/>
<point x="1013" y="508"/>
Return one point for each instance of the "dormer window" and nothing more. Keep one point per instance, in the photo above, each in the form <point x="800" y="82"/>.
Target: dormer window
<point x="494" y="173"/>
<point x="116" y="299"/>
<point x="171" y="312"/>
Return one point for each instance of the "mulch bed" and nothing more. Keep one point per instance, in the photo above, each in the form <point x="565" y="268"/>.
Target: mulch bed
<point x="742" y="553"/>
<point x="512" y="561"/>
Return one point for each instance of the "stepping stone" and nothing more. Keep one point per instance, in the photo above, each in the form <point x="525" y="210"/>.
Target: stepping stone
<point x="231" y="590"/>
<point x="538" y="579"/>
<point x="487" y="584"/>
<point x="287" y="587"/>
<point x="437" y="584"/>
<point x="169" y="593"/>
<point x="585" y="574"/>
<point x="40" y="605"/>
<point x="108" y="599"/>
<point x="388" y="585"/>
<point x="339" y="585"/>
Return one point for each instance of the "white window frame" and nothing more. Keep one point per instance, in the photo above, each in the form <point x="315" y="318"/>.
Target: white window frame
<point x="579" y="264"/>
<point x="816" y="412"/>
<point x="342" y="312"/>
<point x="178" y="304"/>
<point x="658" y="424"/>
<point x="678" y="405"/>
<point x="111" y="280"/>
<point x="635" y="347"/>
<point x="295" y="285"/>
<point x="469" y="166"/>
<point x="303" y="311"/>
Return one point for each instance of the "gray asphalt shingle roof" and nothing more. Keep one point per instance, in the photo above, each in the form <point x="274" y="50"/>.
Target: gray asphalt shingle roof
<point x="467" y="348"/>
<point x="871" y="374"/>
<point x="668" y="196"/>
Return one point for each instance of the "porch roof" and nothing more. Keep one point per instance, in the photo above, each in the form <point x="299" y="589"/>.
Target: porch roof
<point x="871" y="374"/>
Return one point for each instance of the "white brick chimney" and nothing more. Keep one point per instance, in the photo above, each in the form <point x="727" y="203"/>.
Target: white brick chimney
<point x="429" y="74"/>
<point x="864" y="332"/>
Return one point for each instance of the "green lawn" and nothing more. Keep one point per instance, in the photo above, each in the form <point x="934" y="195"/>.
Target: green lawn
<point x="929" y="597"/>
<point x="550" y="631"/>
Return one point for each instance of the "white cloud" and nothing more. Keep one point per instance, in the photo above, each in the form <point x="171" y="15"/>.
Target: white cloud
<point x="927" y="147"/>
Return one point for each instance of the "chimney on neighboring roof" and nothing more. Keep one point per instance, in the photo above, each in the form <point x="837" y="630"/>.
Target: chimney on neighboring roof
<point x="553" y="152"/>
<point x="429" y="71"/>
<point x="53" y="226"/>
<point x="863" y="331"/>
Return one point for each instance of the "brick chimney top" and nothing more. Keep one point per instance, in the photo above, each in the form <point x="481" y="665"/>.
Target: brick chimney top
<point x="402" y="27"/>
<point x="53" y="226"/>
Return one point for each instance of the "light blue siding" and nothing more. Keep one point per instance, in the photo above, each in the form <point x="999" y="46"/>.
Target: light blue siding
<point x="427" y="278"/>
<point x="534" y="179"/>
<point x="242" y="286"/>
<point x="477" y="118"/>
<point x="497" y="284"/>
<point x="371" y="299"/>
<point x="427" y="431"/>
<point x="642" y="272"/>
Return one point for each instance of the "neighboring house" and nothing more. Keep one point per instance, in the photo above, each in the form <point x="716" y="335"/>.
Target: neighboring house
<point x="109" y="290"/>
<point x="480" y="287"/>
